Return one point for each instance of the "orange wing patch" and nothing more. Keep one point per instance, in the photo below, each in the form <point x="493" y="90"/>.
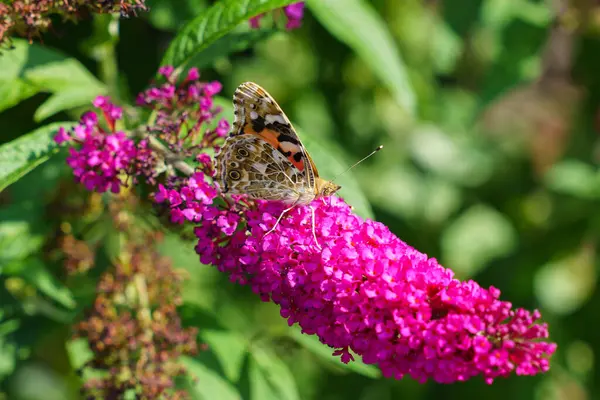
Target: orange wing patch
<point x="292" y="151"/>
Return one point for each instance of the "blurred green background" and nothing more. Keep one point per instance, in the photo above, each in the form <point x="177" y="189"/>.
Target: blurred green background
<point x="489" y="114"/>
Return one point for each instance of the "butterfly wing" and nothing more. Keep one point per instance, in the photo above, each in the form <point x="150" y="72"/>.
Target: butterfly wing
<point x="249" y="165"/>
<point x="257" y="113"/>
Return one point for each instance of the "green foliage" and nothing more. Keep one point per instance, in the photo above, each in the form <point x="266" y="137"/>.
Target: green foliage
<point x="22" y="155"/>
<point x="30" y="69"/>
<point x="211" y="25"/>
<point x="372" y="42"/>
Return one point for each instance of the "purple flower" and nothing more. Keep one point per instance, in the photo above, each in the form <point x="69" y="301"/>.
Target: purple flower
<point x="99" y="158"/>
<point x="183" y="110"/>
<point x="369" y="293"/>
<point x="294" y="13"/>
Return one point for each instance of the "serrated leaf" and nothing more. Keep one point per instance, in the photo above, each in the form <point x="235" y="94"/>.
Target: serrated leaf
<point x="356" y="23"/>
<point x="228" y="44"/>
<point x="209" y="385"/>
<point x="212" y="24"/>
<point x="270" y="377"/>
<point x="324" y="352"/>
<point x="230" y="348"/>
<point x="23" y="154"/>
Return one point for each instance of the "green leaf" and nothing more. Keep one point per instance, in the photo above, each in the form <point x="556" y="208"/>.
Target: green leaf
<point x="270" y="377"/>
<point x="30" y="69"/>
<point x="228" y="44"/>
<point x="71" y="82"/>
<point x="21" y="155"/>
<point x="36" y="273"/>
<point x="230" y="348"/>
<point x="480" y="235"/>
<point x="79" y="352"/>
<point x="209" y="384"/>
<point x="356" y="23"/>
<point x="324" y="352"/>
<point x="574" y="178"/>
<point x="20" y="236"/>
<point x="213" y="24"/>
<point x="66" y="100"/>
<point x="457" y="161"/>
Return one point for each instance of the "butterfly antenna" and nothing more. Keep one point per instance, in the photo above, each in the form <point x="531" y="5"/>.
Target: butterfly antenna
<point x="358" y="162"/>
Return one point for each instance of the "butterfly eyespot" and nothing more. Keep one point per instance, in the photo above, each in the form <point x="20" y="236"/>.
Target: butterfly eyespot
<point x="243" y="152"/>
<point x="235" y="175"/>
<point x="233" y="164"/>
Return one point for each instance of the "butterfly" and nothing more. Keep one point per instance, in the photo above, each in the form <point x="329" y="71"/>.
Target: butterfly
<point x="264" y="158"/>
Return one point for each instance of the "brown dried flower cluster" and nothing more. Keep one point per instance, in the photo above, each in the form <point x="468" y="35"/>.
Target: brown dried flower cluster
<point x="134" y="330"/>
<point x="28" y="18"/>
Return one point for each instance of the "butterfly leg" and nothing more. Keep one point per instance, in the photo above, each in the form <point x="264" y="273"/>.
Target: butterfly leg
<point x="279" y="219"/>
<point x="312" y="214"/>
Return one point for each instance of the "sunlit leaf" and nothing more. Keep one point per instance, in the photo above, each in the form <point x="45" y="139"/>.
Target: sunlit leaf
<point x="436" y="151"/>
<point x="270" y="377"/>
<point x="208" y="383"/>
<point x="357" y="24"/>
<point x="37" y="274"/>
<point x="480" y="235"/>
<point x="212" y="24"/>
<point x="79" y="352"/>
<point x="574" y="178"/>
<point x="230" y="348"/>
<point x="30" y="69"/>
<point x="228" y="44"/>
<point x="23" y="154"/>
<point x="566" y="283"/>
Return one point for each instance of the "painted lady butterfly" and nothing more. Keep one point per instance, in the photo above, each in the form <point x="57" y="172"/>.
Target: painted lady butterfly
<point x="264" y="158"/>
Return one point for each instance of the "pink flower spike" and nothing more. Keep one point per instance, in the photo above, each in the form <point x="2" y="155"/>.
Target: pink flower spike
<point x="371" y="294"/>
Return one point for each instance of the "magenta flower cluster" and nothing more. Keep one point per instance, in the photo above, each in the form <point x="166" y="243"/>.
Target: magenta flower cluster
<point x="103" y="156"/>
<point x="293" y="13"/>
<point x="184" y="111"/>
<point x="366" y="292"/>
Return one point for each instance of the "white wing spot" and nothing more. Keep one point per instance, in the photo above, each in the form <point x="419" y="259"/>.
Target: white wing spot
<point x="253" y="115"/>
<point x="262" y="168"/>
<point x="270" y="118"/>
